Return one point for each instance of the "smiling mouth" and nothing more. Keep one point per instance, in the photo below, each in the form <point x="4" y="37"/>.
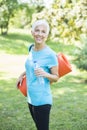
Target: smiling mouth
<point x="39" y="38"/>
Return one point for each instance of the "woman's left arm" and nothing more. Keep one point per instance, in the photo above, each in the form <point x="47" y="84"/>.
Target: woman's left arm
<point x="53" y="76"/>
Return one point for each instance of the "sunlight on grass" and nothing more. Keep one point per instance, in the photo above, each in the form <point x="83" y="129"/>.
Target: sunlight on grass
<point x="12" y="67"/>
<point x="62" y="91"/>
<point x="15" y="42"/>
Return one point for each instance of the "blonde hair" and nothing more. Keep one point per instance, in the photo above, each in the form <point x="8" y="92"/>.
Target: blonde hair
<point x="40" y="22"/>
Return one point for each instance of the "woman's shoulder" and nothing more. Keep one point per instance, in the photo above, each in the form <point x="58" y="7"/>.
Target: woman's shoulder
<point x="51" y="51"/>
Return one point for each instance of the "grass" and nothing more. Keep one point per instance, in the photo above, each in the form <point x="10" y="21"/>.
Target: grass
<point x="70" y="104"/>
<point x="15" y="43"/>
<point x="69" y="110"/>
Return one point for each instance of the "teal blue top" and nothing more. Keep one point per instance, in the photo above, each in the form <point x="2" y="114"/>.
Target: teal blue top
<point x="39" y="94"/>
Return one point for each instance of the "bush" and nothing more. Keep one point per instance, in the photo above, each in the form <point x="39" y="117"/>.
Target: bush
<point x="81" y="57"/>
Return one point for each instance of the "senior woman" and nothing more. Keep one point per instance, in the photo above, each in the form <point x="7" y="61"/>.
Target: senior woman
<point x="39" y="95"/>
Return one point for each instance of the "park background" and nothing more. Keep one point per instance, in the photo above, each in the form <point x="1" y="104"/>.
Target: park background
<point x="68" y="34"/>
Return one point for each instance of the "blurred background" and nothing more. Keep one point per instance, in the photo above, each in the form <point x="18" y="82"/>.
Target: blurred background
<point x="68" y="34"/>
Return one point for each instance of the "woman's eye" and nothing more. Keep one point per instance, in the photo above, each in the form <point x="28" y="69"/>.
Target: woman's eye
<point x="36" y="30"/>
<point x="43" y="32"/>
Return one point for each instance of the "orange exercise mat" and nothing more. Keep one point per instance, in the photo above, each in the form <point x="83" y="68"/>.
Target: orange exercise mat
<point x="64" y="65"/>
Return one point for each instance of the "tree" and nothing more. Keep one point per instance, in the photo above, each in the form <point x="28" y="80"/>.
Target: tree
<point x="24" y="14"/>
<point x="67" y="18"/>
<point x="7" y="8"/>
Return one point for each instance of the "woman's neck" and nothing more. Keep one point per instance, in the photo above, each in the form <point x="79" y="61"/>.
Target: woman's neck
<point x="38" y="47"/>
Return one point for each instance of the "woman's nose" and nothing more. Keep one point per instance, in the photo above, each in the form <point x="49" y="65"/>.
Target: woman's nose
<point x="40" y="33"/>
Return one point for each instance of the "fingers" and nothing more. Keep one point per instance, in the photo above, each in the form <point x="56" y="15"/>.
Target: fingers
<point x="19" y="82"/>
<point x="39" y="72"/>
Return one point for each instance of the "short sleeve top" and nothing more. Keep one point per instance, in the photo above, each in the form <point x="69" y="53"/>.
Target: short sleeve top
<point x="39" y="94"/>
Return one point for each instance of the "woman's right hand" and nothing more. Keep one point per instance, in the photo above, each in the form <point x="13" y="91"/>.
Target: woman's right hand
<point x="19" y="81"/>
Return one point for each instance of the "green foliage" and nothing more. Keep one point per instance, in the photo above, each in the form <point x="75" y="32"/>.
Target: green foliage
<point x="81" y="57"/>
<point x="23" y="16"/>
<point x="68" y="19"/>
<point x="7" y="8"/>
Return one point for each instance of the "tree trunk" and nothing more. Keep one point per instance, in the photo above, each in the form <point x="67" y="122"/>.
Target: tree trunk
<point x="4" y="27"/>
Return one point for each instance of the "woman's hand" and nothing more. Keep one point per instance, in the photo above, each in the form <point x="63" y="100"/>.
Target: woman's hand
<point x="40" y="72"/>
<point x="53" y="76"/>
<point x="19" y="81"/>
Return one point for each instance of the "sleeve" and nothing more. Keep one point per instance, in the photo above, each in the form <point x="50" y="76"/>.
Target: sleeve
<point x="53" y="60"/>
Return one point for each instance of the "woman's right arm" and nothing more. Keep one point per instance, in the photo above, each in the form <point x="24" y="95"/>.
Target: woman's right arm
<point x="20" y="78"/>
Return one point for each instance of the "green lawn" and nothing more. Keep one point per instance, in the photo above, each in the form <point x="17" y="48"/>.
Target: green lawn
<point x="69" y="110"/>
<point x="17" y="43"/>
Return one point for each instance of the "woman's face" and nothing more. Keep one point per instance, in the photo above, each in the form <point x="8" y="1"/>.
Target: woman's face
<point x="40" y="34"/>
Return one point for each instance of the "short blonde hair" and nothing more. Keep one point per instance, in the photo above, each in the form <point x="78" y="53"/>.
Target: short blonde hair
<point x="40" y="22"/>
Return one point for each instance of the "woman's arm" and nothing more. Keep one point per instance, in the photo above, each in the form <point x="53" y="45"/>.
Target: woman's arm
<point x="53" y="76"/>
